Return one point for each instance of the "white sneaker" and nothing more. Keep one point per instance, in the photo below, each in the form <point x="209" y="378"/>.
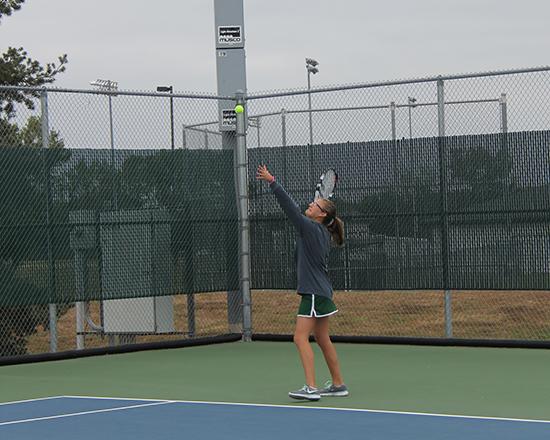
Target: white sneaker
<point x="306" y="393"/>
<point x="335" y="391"/>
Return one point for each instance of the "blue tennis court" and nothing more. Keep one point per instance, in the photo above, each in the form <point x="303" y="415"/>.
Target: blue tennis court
<point x="69" y="417"/>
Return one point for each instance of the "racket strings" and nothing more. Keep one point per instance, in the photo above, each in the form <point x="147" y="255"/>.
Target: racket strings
<point x="325" y="188"/>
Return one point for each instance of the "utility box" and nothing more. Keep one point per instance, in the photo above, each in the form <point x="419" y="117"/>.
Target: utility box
<point x="136" y="271"/>
<point x="139" y="315"/>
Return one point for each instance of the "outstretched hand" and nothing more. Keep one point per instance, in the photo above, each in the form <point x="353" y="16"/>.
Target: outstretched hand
<point x="263" y="174"/>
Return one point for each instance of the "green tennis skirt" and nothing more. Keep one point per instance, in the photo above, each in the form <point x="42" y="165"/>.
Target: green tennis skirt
<point x="316" y="306"/>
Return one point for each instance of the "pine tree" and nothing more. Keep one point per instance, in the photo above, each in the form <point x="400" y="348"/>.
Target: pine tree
<point x="22" y="303"/>
<point x="18" y="69"/>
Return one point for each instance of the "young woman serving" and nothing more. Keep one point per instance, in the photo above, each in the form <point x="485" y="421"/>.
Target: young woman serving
<point x="316" y="229"/>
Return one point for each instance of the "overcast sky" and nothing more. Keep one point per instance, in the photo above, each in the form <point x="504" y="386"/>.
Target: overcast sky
<point x="142" y="44"/>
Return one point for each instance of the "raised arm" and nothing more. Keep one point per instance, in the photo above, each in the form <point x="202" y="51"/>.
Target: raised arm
<point x="290" y="207"/>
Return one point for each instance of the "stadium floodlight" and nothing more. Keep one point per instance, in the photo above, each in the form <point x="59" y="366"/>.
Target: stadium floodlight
<point x="311" y="67"/>
<point x="311" y="62"/>
<point x="105" y="84"/>
<point x="313" y="70"/>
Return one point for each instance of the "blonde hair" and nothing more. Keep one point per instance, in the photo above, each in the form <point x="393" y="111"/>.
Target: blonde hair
<point x="333" y="223"/>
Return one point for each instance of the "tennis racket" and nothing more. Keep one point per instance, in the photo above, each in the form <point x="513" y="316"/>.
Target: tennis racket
<point x="327" y="185"/>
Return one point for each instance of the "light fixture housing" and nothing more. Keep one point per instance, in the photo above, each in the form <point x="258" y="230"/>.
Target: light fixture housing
<point x="105" y="84"/>
<point x="311" y="62"/>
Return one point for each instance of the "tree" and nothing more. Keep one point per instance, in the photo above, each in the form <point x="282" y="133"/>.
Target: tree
<point x="8" y="6"/>
<point x="22" y="194"/>
<point x="89" y="186"/>
<point x="23" y="243"/>
<point x="18" y="69"/>
<point x="31" y="135"/>
<point x="479" y="174"/>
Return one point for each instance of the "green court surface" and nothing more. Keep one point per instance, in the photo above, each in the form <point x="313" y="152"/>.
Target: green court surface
<point x="495" y="382"/>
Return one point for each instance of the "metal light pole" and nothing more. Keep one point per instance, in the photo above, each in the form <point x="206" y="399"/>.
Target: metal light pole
<point x="107" y="85"/>
<point x="411" y="103"/>
<point x="311" y="67"/>
<point x="171" y="90"/>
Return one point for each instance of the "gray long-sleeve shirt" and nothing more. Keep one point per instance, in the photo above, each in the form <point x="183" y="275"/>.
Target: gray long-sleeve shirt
<point x="312" y="246"/>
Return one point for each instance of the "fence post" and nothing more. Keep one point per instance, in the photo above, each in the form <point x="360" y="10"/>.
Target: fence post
<point x="258" y="126"/>
<point x="283" y="127"/>
<point x="80" y="306"/>
<point x="444" y="211"/>
<point x="241" y="170"/>
<point x="504" y="122"/>
<point x="503" y="113"/>
<point x="184" y="138"/>
<point x="114" y="180"/>
<point x="393" y="129"/>
<point x="397" y="177"/>
<point x="46" y="173"/>
<point x="441" y="107"/>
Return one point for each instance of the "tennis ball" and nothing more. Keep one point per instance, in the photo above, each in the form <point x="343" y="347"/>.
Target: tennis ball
<point x="239" y="109"/>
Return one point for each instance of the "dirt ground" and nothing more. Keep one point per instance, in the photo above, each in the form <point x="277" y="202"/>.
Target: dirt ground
<point x="475" y="314"/>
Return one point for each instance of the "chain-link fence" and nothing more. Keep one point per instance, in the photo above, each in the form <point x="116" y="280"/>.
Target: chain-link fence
<point x="120" y="219"/>
<point x="444" y="191"/>
<point x="110" y="234"/>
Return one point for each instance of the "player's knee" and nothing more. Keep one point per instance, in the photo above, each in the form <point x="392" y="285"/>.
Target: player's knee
<point x="300" y="338"/>
<point x="322" y="340"/>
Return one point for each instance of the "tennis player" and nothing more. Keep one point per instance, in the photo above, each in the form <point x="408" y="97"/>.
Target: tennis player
<point x="316" y="229"/>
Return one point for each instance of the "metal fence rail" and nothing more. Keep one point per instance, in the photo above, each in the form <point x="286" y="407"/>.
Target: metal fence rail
<point x="113" y="231"/>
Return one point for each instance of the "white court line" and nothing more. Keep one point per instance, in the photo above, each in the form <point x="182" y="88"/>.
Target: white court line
<point x="31" y="400"/>
<point x="376" y="411"/>
<point x="163" y="402"/>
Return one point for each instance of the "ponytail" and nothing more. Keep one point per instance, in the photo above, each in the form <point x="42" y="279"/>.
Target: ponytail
<point x="336" y="229"/>
<point x="333" y="223"/>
